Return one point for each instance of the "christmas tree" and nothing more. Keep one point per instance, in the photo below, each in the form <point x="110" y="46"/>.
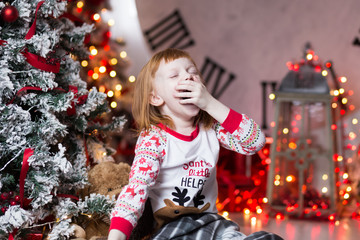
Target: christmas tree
<point x="106" y="69"/>
<point x="48" y="118"/>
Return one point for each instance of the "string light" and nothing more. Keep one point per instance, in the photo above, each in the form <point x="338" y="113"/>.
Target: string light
<point x="111" y="22"/>
<point x="112" y="73"/>
<point x="123" y="54"/>
<point x="271" y="96"/>
<point x="96" y="17"/>
<point x="94" y="52"/>
<point x="113" y="104"/>
<point x="285" y="130"/>
<point x="343" y="79"/>
<point x="132" y="78"/>
<point x="324" y="73"/>
<point x="84" y="63"/>
<point x="309" y="56"/>
<point x="80" y="4"/>
<point x="113" y="61"/>
<point x="102" y="69"/>
<point x="95" y="76"/>
<point x="118" y="87"/>
<point x="110" y="93"/>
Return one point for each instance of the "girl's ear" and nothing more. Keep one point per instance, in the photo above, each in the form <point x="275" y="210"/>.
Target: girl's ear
<point x="155" y="99"/>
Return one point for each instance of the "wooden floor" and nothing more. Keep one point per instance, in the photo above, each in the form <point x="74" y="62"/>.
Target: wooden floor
<point x="292" y="229"/>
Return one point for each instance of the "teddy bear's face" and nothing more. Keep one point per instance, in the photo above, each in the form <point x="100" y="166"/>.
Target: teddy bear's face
<point x="108" y="178"/>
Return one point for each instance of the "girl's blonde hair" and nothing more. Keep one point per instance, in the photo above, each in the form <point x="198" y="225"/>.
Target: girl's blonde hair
<point x="146" y="114"/>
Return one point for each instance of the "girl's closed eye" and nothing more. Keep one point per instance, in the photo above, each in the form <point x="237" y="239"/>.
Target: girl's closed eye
<point x="173" y="75"/>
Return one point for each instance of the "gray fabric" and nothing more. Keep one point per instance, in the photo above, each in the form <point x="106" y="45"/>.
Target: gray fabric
<point x="207" y="226"/>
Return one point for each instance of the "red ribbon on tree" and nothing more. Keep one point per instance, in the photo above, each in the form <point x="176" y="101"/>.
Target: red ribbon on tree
<point x="41" y="63"/>
<point x="70" y="111"/>
<point x="2" y="42"/>
<point x="51" y="65"/>
<point x="32" y="29"/>
<point x="24" y="169"/>
<point x="81" y="100"/>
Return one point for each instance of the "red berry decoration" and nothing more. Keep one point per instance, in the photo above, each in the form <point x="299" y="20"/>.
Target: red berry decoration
<point x="17" y="198"/>
<point x="9" y="14"/>
<point x="4" y="196"/>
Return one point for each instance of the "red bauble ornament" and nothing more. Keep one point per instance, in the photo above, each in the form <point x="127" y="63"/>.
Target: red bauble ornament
<point x="9" y="14"/>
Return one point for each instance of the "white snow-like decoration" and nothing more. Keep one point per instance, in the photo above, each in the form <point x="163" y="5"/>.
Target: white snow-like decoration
<point x="14" y="217"/>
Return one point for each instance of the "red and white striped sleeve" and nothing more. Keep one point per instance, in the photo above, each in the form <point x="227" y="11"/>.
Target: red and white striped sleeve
<point x="240" y="133"/>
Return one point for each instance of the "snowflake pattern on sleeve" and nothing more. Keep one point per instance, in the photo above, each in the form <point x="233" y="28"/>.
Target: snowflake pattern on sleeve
<point x="246" y="139"/>
<point x="149" y="154"/>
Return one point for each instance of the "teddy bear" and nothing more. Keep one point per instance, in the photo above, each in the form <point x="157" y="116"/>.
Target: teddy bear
<point x="106" y="178"/>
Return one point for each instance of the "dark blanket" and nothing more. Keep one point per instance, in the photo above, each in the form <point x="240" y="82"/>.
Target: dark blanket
<point x="207" y="226"/>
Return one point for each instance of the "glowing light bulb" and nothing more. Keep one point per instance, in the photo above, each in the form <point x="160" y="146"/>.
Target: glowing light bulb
<point x="345" y="176"/>
<point x="325" y="177"/>
<point x="340" y="158"/>
<point x="272" y="96"/>
<point x="334" y="105"/>
<point x="113" y="61"/>
<point x="265" y="200"/>
<point x="352" y="135"/>
<point x="80" y="4"/>
<point x="113" y="104"/>
<point x="112" y="73"/>
<point x="324" y="73"/>
<point x="336" y="92"/>
<point x="102" y="69"/>
<point x="96" y="17"/>
<point x="84" y="63"/>
<point x="354" y="121"/>
<point x="118" y="87"/>
<point x="324" y="190"/>
<point x="285" y="130"/>
<point x="341" y="91"/>
<point x="95" y="76"/>
<point x="111" y="22"/>
<point x="110" y="93"/>
<point x="344" y="100"/>
<point x="290" y="178"/>
<point x="309" y="56"/>
<point x="225" y="214"/>
<point x="346" y="196"/>
<point x="246" y="211"/>
<point x="94" y="52"/>
<point x="123" y="54"/>
<point x="343" y="79"/>
<point x="259" y="211"/>
<point x="132" y="78"/>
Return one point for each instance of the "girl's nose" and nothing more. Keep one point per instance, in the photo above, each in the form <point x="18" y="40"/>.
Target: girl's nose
<point x="190" y="77"/>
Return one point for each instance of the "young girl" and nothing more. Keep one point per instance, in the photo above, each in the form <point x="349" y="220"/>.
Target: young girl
<point x="182" y="127"/>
